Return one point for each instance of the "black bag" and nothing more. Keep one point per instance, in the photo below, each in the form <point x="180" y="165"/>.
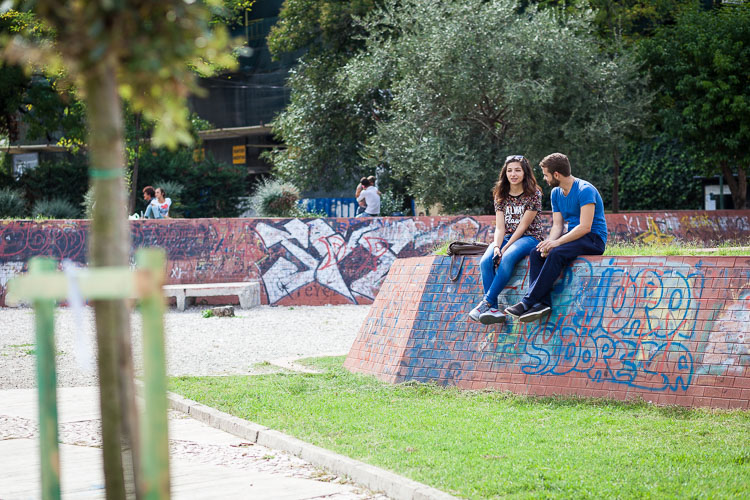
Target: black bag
<point x="461" y="249"/>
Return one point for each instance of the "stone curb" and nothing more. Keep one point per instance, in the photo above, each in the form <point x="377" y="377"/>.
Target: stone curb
<point x="371" y="477"/>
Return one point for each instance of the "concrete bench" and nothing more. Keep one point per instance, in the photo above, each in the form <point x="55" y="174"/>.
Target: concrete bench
<point x="247" y="291"/>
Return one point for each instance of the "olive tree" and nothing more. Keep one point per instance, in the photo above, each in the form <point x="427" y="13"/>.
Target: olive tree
<point x="472" y="81"/>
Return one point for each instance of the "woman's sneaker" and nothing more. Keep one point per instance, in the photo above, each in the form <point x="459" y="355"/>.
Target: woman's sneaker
<point x="492" y="316"/>
<point x="475" y="313"/>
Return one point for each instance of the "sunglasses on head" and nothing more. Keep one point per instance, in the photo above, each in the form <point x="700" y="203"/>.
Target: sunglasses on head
<point x="514" y="158"/>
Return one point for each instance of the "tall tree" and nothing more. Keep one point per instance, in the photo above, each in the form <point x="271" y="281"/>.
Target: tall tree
<point x="474" y="81"/>
<point x="322" y="127"/>
<point x="701" y="68"/>
<point x="146" y="52"/>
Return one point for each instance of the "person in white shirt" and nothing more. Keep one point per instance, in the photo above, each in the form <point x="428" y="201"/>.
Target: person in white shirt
<point x="371" y="196"/>
<point x="163" y="203"/>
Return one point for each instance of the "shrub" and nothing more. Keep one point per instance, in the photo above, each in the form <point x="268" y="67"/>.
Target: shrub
<point x="55" y="208"/>
<point x="63" y="179"/>
<point x="11" y="204"/>
<point x="273" y="198"/>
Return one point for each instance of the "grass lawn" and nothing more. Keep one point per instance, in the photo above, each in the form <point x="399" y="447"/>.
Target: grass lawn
<point x="484" y="444"/>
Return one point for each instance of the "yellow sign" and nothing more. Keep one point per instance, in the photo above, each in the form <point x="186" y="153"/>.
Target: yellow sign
<point x="238" y="155"/>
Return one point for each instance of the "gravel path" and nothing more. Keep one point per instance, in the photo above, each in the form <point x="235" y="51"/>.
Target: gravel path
<point x="195" y="345"/>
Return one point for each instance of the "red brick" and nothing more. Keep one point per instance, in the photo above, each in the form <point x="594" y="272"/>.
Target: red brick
<point x="719" y="403"/>
<point x="738" y="404"/>
<point x="699" y="402"/>
<point x="684" y="400"/>
<point x="722" y="392"/>
<point x="742" y="382"/>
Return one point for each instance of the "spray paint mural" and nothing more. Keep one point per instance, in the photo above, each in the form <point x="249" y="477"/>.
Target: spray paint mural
<point x="626" y="325"/>
<point x="632" y="325"/>
<point x="316" y="261"/>
<point x="344" y="259"/>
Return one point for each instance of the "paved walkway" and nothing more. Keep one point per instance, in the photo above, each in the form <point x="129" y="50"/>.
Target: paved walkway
<point x="205" y="462"/>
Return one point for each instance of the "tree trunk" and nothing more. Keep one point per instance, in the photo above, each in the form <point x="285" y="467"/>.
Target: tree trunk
<point x="110" y="246"/>
<point x="738" y="186"/>
<point x="136" y="164"/>
<point x="616" y="183"/>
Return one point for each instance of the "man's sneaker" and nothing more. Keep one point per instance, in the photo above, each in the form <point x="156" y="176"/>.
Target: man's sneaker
<point x="516" y="310"/>
<point x="534" y="312"/>
<point x="492" y="316"/>
<point x="483" y="306"/>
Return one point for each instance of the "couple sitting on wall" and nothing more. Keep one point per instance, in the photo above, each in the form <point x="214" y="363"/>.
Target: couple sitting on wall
<point x="518" y="233"/>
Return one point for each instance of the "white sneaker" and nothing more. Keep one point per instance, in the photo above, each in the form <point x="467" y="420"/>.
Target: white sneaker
<point x="475" y="313"/>
<point x="492" y="316"/>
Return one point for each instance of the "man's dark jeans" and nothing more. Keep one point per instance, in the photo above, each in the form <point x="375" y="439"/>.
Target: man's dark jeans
<point x="544" y="271"/>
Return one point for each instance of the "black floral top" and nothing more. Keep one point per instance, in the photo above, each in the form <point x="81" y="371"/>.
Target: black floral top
<point x="514" y="208"/>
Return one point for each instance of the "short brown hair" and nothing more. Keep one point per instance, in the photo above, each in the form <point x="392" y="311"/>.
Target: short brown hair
<point x="149" y="191"/>
<point x="556" y="162"/>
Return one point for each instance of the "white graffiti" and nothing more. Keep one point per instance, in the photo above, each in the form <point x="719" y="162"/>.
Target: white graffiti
<point x="319" y="249"/>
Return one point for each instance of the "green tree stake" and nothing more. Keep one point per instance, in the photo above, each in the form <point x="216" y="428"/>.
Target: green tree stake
<point x="44" y="312"/>
<point x="155" y="456"/>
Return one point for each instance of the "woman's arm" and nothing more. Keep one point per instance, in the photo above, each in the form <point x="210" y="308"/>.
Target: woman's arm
<point x="499" y="230"/>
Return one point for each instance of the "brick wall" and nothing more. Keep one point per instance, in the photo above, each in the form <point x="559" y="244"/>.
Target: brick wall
<point x="320" y="261"/>
<point x="671" y="330"/>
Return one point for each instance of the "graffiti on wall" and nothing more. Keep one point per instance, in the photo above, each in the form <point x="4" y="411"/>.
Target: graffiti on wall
<point x="324" y="260"/>
<point x="351" y="259"/>
<point x="728" y="349"/>
<point x="626" y="325"/>
<point x="613" y="320"/>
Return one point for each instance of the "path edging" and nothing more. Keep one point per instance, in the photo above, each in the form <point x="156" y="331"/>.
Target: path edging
<point x="373" y="478"/>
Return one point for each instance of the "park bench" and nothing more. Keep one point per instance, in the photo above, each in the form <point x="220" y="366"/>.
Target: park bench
<point x="247" y="291"/>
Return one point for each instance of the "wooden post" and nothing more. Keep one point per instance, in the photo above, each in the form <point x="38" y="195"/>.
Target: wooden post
<point x="44" y="314"/>
<point x="155" y="442"/>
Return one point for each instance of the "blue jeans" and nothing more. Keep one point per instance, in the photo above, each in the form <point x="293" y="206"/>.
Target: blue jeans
<point x="492" y="282"/>
<point x="152" y="212"/>
<point x="543" y="272"/>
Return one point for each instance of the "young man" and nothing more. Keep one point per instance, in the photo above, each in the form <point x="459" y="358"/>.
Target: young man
<point x="371" y="196"/>
<point x="578" y="203"/>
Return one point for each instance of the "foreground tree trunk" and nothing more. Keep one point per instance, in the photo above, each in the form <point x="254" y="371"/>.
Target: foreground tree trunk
<point x="110" y="246"/>
<point x="738" y="186"/>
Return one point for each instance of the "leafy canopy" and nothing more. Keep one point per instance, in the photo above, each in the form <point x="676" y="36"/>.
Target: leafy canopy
<point x="702" y="67"/>
<point x="159" y="47"/>
<point x="470" y="82"/>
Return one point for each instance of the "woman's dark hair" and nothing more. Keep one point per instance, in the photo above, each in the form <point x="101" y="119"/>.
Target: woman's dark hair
<point x="502" y="186"/>
<point x="163" y="193"/>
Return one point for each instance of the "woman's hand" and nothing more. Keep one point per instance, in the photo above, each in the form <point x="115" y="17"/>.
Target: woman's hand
<point x="498" y="252"/>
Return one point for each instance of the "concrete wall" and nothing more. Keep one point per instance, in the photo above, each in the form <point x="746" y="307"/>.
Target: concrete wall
<point x="672" y="330"/>
<point x="319" y="261"/>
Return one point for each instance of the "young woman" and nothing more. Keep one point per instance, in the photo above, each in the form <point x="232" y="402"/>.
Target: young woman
<point x="518" y="230"/>
<point x="163" y="202"/>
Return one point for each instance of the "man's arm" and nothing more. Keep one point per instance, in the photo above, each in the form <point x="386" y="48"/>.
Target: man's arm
<point x="582" y="229"/>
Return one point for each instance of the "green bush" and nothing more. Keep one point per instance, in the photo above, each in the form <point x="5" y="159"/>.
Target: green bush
<point x="55" y="208"/>
<point x="658" y="174"/>
<point x="65" y="179"/>
<point x="273" y="198"/>
<point x="11" y="204"/>
<point x="211" y="188"/>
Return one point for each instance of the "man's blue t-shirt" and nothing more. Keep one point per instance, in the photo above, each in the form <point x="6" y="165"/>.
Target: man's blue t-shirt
<point x="581" y="193"/>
